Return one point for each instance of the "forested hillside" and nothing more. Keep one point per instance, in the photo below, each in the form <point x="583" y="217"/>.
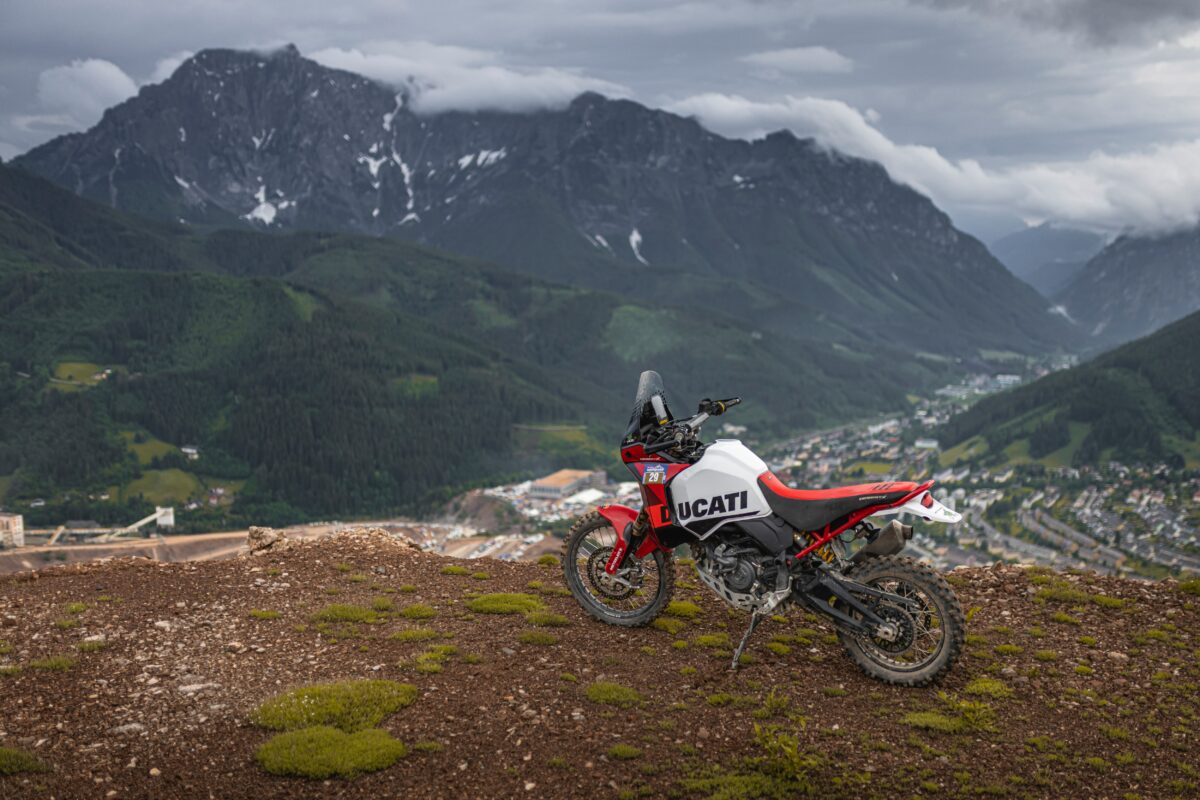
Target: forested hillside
<point x="324" y="374"/>
<point x="1138" y="403"/>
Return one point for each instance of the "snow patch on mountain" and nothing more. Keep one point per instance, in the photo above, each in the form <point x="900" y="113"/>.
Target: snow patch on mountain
<point x="635" y="244"/>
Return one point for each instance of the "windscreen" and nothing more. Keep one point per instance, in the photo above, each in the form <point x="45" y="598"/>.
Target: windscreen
<point x="649" y="384"/>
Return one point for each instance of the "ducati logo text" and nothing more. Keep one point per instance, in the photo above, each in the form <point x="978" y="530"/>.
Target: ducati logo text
<point x="713" y="506"/>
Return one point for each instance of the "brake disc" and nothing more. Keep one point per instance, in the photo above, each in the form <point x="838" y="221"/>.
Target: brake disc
<point x="601" y="581"/>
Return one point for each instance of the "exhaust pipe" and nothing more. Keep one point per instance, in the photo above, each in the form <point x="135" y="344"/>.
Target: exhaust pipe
<point x="887" y="542"/>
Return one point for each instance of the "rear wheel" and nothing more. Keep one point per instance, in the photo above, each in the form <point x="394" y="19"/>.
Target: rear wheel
<point x="634" y="596"/>
<point x="928" y="635"/>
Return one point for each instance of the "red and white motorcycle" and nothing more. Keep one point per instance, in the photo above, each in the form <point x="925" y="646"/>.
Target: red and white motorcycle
<point x="759" y="545"/>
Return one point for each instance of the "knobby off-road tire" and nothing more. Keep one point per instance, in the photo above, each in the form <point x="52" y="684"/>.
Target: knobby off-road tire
<point x="592" y="523"/>
<point x="945" y="610"/>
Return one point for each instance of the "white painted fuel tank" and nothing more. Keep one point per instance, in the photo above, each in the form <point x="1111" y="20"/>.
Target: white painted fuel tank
<point x="721" y="487"/>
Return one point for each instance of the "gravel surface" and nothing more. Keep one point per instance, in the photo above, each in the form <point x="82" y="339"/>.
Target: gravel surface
<point x="1100" y="676"/>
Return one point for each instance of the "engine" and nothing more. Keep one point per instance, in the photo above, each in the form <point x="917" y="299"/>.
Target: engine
<point x="740" y="572"/>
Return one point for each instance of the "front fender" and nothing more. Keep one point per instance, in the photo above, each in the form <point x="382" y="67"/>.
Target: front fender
<point x="621" y="517"/>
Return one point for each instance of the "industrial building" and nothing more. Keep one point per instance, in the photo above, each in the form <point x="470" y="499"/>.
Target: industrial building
<point x="566" y="482"/>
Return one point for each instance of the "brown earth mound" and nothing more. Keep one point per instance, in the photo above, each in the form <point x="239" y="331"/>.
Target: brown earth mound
<point x="1071" y="686"/>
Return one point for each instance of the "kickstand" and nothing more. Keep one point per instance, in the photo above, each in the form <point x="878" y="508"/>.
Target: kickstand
<point x="755" y="618"/>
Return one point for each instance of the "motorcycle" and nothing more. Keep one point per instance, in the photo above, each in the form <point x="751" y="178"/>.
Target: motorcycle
<point x="761" y="545"/>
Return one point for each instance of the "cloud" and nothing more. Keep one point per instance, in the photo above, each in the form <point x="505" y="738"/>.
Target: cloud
<point x="446" y="78"/>
<point x="8" y="151"/>
<point x="800" y="60"/>
<point x="166" y="67"/>
<point x="1153" y="189"/>
<point x="75" y="95"/>
<point x="1097" y="21"/>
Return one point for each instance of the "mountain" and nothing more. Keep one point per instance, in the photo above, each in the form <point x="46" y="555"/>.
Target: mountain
<point x="1135" y="286"/>
<point x="1138" y="403"/>
<point x="335" y="374"/>
<point x="550" y="703"/>
<point x="601" y="194"/>
<point x="1047" y="256"/>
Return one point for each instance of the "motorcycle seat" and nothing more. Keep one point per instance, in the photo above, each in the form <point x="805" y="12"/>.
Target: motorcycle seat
<point x="813" y="509"/>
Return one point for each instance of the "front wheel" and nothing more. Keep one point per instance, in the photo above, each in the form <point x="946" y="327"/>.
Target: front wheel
<point x="631" y="598"/>
<point x="929" y="634"/>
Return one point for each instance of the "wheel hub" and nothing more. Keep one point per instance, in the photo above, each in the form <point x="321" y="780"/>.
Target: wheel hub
<point x="601" y="581"/>
<point x="897" y="632"/>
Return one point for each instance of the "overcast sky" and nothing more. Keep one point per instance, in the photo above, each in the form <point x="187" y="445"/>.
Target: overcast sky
<point x="1078" y="111"/>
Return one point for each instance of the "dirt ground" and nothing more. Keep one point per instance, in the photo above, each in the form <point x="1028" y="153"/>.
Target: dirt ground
<point x="1093" y="690"/>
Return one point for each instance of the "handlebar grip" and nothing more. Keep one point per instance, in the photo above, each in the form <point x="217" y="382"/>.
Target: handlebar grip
<point x="658" y="448"/>
<point x="730" y="403"/>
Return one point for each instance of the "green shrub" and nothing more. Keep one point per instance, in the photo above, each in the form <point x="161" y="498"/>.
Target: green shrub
<point x="76" y="608"/>
<point x="455" y="569"/>
<point x="1104" y="601"/>
<point x="538" y="637"/>
<point x="834" y="691"/>
<point x="1007" y="649"/>
<point x="323" y="752"/>
<point x="343" y="567"/>
<point x="14" y="761"/>
<point x="349" y="705"/>
<point x="1087" y="641"/>
<point x="546" y="619"/>
<point x="9" y="670"/>
<point x="408" y="588"/>
<point x="341" y="612"/>
<point x="933" y="721"/>
<point x="479" y="576"/>
<point x="383" y="605"/>
<point x="92" y="646"/>
<point x="624" y="752"/>
<point x="418" y="611"/>
<point x="1190" y="586"/>
<point x="5" y="648"/>
<point x="259" y="613"/>
<point x="53" y="663"/>
<point x="504" y="603"/>
<point x="548" y="560"/>
<point x="415" y="635"/>
<point x="66" y="623"/>
<point x="1046" y="655"/>
<point x="682" y="608"/>
<point x="778" y="648"/>
<point x="568" y="677"/>
<point x="1065" y="618"/>
<point x="357" y="578"/>
<point x="613" y="694"/>
<point x="1084" y="669"/>
<point x="720" y="699"/>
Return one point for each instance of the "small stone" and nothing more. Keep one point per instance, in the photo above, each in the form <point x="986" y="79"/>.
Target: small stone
<point x="125" y="730"/>
<point x="162" y="624"/>
<point x="155" y="772"/>
<point x="1116" y="655"/>
<point x="530" y="786"/>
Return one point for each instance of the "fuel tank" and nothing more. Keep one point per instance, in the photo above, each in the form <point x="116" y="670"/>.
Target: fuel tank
<point x="719" y="488"/>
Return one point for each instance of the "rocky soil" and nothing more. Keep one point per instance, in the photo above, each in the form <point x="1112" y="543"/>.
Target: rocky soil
<point x="1071" y="686"/>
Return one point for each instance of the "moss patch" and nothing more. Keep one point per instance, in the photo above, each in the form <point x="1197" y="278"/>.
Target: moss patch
<point x="350" y="706"/>
<point x="324" y="752"/>
<point x="14" y="761"/>
<point x="613" y="694"/>
<point x="504" y="603"/>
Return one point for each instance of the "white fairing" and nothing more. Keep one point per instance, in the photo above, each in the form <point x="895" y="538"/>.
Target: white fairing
<point x="935" y="512"/>
<point x="721" y="487"/>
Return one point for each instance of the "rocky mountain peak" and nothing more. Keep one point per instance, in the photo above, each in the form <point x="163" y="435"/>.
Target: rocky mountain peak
<point x="593" y="193"/>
